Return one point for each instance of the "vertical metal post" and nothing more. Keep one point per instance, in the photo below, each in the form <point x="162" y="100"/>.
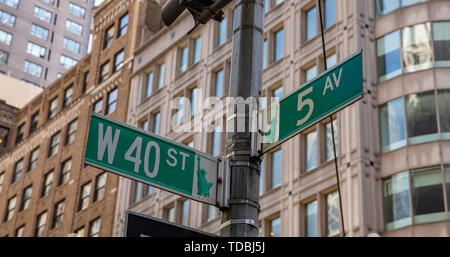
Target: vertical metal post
<point x="240" y="219"/>
<point x="331" y="123"/>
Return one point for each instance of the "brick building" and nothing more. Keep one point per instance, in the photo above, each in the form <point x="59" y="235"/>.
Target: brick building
<point x="46" y="190"/>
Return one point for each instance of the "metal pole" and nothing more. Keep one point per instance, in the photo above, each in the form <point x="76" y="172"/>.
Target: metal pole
<point x="331" y="123"/>
<point x="241" y="218"/>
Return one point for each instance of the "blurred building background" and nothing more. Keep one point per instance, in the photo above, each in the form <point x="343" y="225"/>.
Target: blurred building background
<point x="393" y="145"/>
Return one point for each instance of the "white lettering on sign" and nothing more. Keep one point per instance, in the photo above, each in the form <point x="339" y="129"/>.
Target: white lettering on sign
<point x="174" y="163"/>
<point x="184" y="159"/>
<point x="137" y="144"/>
<point x="302" y="103"/>
<point x="107" y="141"/>
<point x="154" y="173"/>
<point x="329" y="84"/>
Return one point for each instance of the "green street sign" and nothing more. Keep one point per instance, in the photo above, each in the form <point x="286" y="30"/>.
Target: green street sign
<point x="328" y="93"/>
<point x="151" y="159"/>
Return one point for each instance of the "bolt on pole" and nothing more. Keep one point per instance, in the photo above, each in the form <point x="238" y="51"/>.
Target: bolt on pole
<point x="240" y="219"/>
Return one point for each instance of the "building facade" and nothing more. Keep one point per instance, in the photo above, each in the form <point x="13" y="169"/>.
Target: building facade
<point x="42" y="39"/>
<point x="46" y="189"/>
<point x="393" y="149"/>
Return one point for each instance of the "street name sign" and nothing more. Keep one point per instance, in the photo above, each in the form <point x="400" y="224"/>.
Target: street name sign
<point x="328" y="93"/>
<point x="148" y="158"/>
<point x="139" y="225"/>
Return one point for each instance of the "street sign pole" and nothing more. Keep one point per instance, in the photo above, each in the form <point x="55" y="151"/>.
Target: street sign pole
<point x="241" y="218"/>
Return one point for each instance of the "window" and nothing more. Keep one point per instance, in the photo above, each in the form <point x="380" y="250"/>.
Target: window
<point x="215" y="141"/>
<point x="311" y="73"/>
<point x="39" y="32"/>
<point x="85" y="82"/>
<point x="4" y="136"/>
<point x="5" y="37"/>
<point x="427" y="195"/>
<point x="40" y="224"/>
<point x="109" y="37"/>
<point x="149" y="85"/>
<point x="156" y="122"/>
<point x="58" y="213"/>
<point x="331" y="60"/>
<point x="170" y="214"/>
<point x="94" y="228"/>
<point x="330" y="13"/>
<point x="184" y="217"/>
<point x="388" y="56"/>
<point x="276" y="168"/>
<point x="311" y="150"/>
<point x="98" y="106"/>
<point x="11" y="207"/>
<point x="26" y="198"/>
<point x="100" y="187"/>
<point x="332" y="214"/>
<point x="84" y="197"/>
<point x="71" y="45"/>
<point x="48" y="182"/>
<point x="34" y="122"/>
<point x="278" y="45"/>
<point x="42" y="14"/>
<point x="68" y="93"/>
<point x="65" y="171"/>
<point x="197" y="49"/>
<point x="74" y="27"/>
<point x="392" y="125"/>
<point x="329" y="150"/>
<point x="77" y="10"/>
<point x="161" y="69"/>
<point x="71" y="132"/>
<point x="311" y="27"/>
<point x="396" y="206"/>
<point x="311" y="219"/>
<point x="278" y="93"/>
<point x="416" y="47"/>
<point x="11" y="3"/>
<point x="36" y="50"/>
<point x="444" y="113"/>
<point x="194" y="102"/>
<point x="210" y="213"/>
<point x="112" y="101"/>
<point x="20" y="232"/>
<point x="4" y="57"/>
<point x="384" y="7"/>
<point x="441" y="37"/>
<point x="275" y="227"/>
<point x="149" y="190"/>
<point x="33" y="69"/>
<point x="34" y="155"/>
<point x="119" y="60"/>
<point x="18" y="168"/>
<point x="52" y="108"/>
<point x="184" y="55"/>
<point x="104" y="72"/>
<point x="80" y="232"/>
<point x="20" y="133"/>
<point x="222" y="32"/>
<point x="67" y="62"/>
<point x="219" y="83"/>
<point x="123" y="25"/>
<point x="137" y="193"/>
<point x="54" y="144"/>
<point x="421" y="119"/>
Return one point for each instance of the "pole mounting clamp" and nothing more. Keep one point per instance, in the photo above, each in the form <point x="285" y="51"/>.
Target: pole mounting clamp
<point x="239" y="221"/>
